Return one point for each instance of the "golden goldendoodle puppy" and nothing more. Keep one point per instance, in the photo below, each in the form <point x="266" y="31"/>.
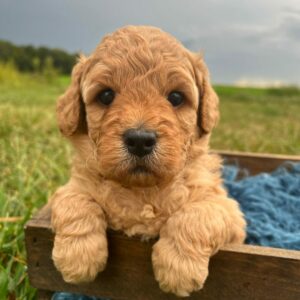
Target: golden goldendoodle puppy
<point x="139" y="112"/>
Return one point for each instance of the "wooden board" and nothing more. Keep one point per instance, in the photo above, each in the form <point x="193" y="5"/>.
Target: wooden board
<point x="237" y="272"/>
<point x="257" y="162"/>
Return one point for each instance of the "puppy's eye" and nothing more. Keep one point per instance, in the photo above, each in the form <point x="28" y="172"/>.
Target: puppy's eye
<point x="176" y="98"/>
<point x="106" y="97"/>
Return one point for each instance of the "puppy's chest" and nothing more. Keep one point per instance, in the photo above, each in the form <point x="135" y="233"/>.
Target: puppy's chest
<point x="140" y="213"/>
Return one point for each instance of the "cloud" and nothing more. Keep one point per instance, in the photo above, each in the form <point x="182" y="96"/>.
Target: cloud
<point x="240" y="39"/>
<point x="291" y="10"/>
<point x="290" y="27"/>
<point x="260" y="82"/>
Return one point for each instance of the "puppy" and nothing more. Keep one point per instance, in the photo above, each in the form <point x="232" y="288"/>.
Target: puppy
<point x="139" y="112"/>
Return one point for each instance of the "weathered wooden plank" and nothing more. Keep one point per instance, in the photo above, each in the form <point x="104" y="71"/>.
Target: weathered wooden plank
<point x="236" y="272"/>
<point x="44" y="295"/>
<point x="256" y="162"/>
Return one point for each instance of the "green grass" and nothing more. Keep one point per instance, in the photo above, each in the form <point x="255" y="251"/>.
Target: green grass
<point x="33" y="161"/>
<point x="258" y="120"/>
<point x="34" y="158"/>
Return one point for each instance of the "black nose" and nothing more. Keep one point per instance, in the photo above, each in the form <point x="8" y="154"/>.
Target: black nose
<point x="139" y="142"/>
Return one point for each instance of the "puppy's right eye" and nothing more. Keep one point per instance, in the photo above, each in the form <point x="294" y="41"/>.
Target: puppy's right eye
<point x="176" y="98"/>
<point x="106" y="97"/>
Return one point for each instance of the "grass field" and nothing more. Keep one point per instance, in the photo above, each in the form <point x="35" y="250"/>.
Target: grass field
<point x="34" y="158"/>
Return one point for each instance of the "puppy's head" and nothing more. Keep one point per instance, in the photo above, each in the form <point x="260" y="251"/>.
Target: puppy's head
<point x="144" y="101"/>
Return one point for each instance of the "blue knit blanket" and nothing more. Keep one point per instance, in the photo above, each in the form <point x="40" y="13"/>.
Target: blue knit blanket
<point x="270" y="202"/>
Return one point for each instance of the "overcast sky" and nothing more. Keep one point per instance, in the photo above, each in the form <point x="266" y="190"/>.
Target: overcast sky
<point x="252" y="41"/>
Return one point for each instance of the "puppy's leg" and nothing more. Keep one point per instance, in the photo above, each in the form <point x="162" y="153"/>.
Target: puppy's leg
<point x="188" y="239"/>
<point x="80" y="245"/>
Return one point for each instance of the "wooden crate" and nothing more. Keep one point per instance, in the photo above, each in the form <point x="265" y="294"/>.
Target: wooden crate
<point x="236" y="272"/>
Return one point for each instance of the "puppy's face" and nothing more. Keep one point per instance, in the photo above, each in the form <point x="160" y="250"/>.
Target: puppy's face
<point x="143" y="100"/>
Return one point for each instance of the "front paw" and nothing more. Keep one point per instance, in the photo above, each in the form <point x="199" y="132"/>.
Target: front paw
<point x="80" y="258"/>
<point x="178" y="272"/>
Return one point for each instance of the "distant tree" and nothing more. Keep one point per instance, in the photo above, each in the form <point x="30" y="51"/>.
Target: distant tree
<point x="36" y="63"/>
<point x="49" y="70"/>
<point x="36" y="59"/>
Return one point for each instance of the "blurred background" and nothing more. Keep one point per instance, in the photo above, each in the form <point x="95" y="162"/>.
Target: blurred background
<point x="252" y="49"/>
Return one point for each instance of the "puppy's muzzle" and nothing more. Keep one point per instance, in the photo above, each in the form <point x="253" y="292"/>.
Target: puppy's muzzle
<point x="139" y="142"/>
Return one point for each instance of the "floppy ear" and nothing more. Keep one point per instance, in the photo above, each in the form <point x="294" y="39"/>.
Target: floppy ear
<point x="208" y="109"/>
<point x="70" y="108"/>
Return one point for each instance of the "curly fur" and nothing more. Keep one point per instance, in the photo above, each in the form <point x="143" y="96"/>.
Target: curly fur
<point x="181" y="199"/>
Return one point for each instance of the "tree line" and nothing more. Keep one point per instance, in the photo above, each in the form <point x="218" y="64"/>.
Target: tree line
<point x="36" y="59"/>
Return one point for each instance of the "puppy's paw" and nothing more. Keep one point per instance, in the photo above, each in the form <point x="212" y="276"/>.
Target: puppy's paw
<point x="177" y="272"/>
<point x="80" y="258"/>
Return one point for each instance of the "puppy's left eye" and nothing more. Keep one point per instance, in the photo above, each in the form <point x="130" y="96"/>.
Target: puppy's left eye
<point x="176" y="98"/>
<point x="106" y="97"/>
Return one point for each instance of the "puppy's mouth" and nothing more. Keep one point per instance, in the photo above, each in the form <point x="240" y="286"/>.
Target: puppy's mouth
<point x="140" y="170"/>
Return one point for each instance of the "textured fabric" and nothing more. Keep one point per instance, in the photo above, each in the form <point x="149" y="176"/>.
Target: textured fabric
<point x="71" y="296"/>
<point x="271" y="204"/>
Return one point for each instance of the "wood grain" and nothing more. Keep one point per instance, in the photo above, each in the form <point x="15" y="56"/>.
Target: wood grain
<point x="257" y="162"/>
<point x="236" y="272"/>
<point x="44" y="295"/>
